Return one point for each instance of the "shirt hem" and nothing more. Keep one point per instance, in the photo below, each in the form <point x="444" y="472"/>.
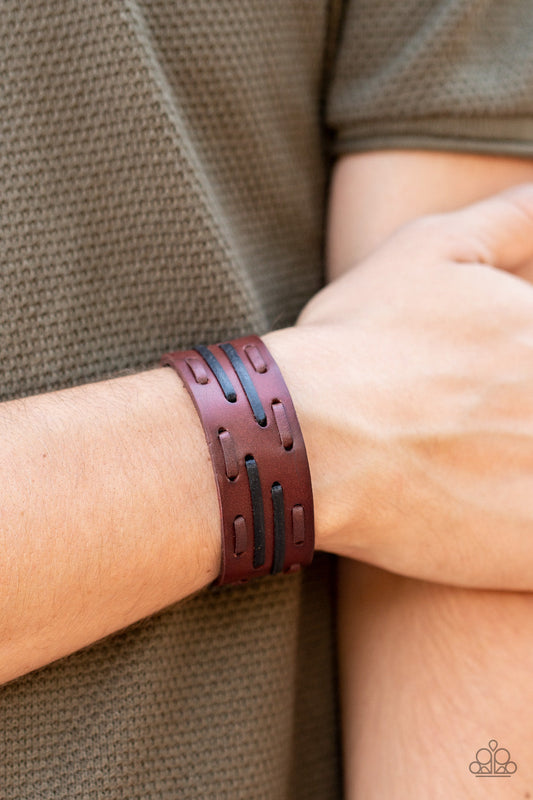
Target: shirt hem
<point x="512" y="136"/>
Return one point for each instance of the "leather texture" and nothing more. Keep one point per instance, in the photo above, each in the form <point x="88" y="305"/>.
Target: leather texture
<point x="258" y="455"/>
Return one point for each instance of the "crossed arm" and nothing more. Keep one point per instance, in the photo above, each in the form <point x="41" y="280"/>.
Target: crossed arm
<point x="87" y="472"/>
<point x="429" y="673"/>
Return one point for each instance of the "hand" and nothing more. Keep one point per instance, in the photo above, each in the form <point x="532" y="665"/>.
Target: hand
<point x="413" y="379"/>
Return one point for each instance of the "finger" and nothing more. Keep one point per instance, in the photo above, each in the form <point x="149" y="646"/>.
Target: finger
<point x="496" y="231"/>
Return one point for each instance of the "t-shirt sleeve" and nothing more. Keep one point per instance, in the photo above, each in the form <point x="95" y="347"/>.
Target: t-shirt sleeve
<point x="433" y="74"/>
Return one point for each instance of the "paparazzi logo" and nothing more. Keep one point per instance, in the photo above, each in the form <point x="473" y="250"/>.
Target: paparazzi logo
<point x="493" y="762"/>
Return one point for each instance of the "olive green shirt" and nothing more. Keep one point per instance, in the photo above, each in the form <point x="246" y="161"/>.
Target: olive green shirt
<point x="164" y="168"/>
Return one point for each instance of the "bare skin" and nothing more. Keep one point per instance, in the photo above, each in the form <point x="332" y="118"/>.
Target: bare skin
<point x="429" y="429"/>
<point x="80" y="563"/>
<point x="429" y="673"/>
<point x="373" y="194"/>
<point x="97" y="530"/>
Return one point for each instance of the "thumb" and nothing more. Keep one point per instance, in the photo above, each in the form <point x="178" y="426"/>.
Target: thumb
<point x="496" y="231"/>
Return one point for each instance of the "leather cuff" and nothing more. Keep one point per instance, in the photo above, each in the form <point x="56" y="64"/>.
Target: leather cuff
<point x="258" y="456"/>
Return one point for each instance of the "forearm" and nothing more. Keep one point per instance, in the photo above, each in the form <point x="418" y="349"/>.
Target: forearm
<point x="430" y="674"/>
<point x="109" y="513"/>
<point x="389" y="626"/>
<point x="372" y="194"/>
<point x="110" y="509"/>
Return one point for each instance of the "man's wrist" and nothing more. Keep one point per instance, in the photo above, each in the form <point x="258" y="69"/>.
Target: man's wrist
<point x="257" y="453"/>
<point x="303" y="371"/>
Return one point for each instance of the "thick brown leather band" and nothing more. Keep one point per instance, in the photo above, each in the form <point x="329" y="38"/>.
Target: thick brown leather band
<point x="258" y="456"/>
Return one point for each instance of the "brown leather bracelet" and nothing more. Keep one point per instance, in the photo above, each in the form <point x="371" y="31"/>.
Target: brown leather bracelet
<point x="258" y="456"/>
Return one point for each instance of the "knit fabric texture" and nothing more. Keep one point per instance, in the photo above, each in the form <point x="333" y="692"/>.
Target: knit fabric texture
<point x="164" y="169"/>
<point x="434" y="74"/>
